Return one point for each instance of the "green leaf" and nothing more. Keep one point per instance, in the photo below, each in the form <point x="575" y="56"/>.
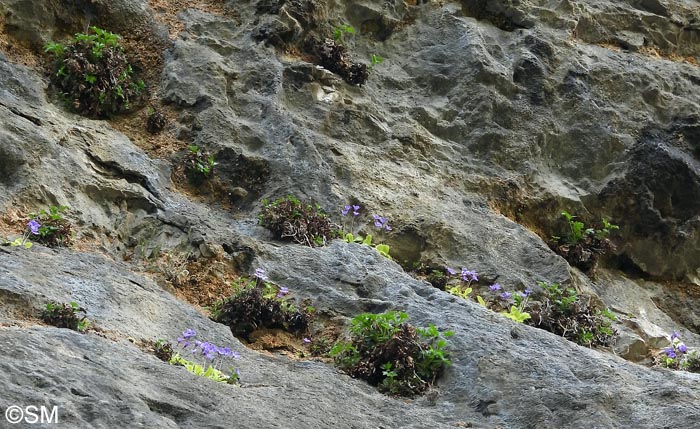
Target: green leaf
<point x="481" y="301"/>
<point x="383" y="250"/>
<point x="367" y="240"/>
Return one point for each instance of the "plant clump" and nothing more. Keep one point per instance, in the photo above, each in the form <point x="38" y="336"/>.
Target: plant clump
<point x="678" y="356"/>
<point x="259" y="303"/>
<point x="581" y="246"/>
<point x="163" y="350"/>
<point x="49" y="228"/>
<point x="350" y="235"/>
<point x="564" y="312"/>
<point x="333" y="56"/>
<point x="290" y="219"/>
<point x="213" y="355"/>
<point x="199" y="165"/>
<point x="155" y="122"/>
<point x="93" y="74"/>
<point x="390" y="353"/>
<point x="575" y="317"/>
<point x="62" y="315"/>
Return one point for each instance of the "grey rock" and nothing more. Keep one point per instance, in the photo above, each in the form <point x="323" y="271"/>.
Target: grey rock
<point x="484" y="121"/>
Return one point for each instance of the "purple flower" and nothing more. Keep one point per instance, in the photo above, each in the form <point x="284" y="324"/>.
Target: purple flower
<point x="379" y="221"/>
<point x="307" y="341"/>
<point x="494" y="287"/>
<point x="283" y="291"/>
<point x="237" y="372"/>
<point x="189" y="333"/>
<point x="34" y="226"/>
<point x="670" y="352"/>
<point x="674" y="335"/>
<point x="224" y="351"/>
<point x="355" y="211"/>
<point x="260" y="273"/>
<point x="235" y="355"/>
<point x="505" y="295"/>
<point x="450" y="271"/>
<point x="527" y="292"/>
<point x="387" y="227"/>
<point x="682" y="348"/>
<point x="345" y="210"/>
<point x="469" y="276"/>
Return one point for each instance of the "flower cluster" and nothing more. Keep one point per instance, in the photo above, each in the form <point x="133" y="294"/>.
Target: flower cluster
<point x="348" y="232"/>
<point x="463" y="288"/>
<point x="208" y="350"/>
<point x="261" y="274"/>
<point x="355" y="210"/>
<point x="212" y="354"/>
<point x="678" y="356"/>
<point x="469" y="276"/>
<point x="381" y="222"/>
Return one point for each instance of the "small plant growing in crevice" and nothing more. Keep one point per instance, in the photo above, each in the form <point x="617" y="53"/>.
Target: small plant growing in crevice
<point x="62" y="315"/>
<point x="581" y="246"/>
<point x="562" y="311"/>
<point x="213" y="355"/>
<point x="49" y="228"/>
<point x="349" y="235"/>
<point x="199" y="165"/>
<point x="340" y="31"/>
<point x="463" y="288"/>
<point x="390" y="353"/>
<point x="678" y="356"/>
<point x="163" y="350"/>
<point x="93" y="75"/>
<point x="374" y="60"/>
<point x="290" y="219"/>
<point x="155" y="121"/>
<point x="575" y="317"/>
<point x="259" y="303"/>
<point x="332" y="55"/>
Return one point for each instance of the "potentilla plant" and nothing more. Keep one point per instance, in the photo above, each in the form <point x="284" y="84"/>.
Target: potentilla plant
<point x="211" y="356"/>
<point x="678" y="356"/>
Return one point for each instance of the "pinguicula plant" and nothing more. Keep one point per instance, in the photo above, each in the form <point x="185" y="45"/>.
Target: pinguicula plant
<point x="462" y="288"/>
<point x="212" y="358"/>
<point x="62" y="315"/>
<point x="678" y="356"/>
<point x="23" y="241"/>
<point x="259" y="303"/>
<point x="351" y="236"/>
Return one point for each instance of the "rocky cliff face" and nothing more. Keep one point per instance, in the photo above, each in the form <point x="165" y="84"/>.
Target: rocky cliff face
<point x="484" y="120"/>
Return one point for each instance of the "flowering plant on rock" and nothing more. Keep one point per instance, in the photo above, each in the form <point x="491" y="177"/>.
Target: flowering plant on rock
<point x="211" y="356"/>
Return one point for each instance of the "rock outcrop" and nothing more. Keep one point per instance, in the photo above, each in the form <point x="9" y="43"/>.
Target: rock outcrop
<point x="484" y="120"/>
